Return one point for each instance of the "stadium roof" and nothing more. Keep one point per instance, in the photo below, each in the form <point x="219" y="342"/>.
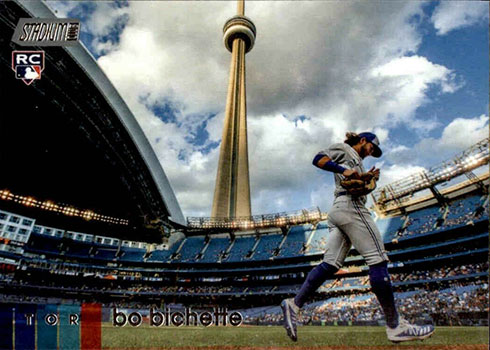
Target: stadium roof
<point x="69" y="137"/>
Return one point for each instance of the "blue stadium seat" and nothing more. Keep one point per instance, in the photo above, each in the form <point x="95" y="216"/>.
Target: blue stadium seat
<point x="78" y="249"/>
<point x="460" y="241"/>
<point x="241" y="247"/>
<point x="192" y="247"/>
<point x="105" y="252"/>
<point x="288" y="288"/>
<point x="462" y="210"/>
<point x="216" y="247"/>
<point x="318" y="241"/>
<point x="295" y="241"/>
<point x="43" y="244"/>
<point x="388" y="227"/>
<point x="267" y="245"/>
<point x="162" y="255"/>
<point x="132" y="254"/>
<point x="300" y="228"/>
<point x="422" y="221"/>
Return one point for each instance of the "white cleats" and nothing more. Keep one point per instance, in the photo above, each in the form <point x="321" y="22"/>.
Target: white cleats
<point x="406" y="331"/>
<point x="289" y="311"/>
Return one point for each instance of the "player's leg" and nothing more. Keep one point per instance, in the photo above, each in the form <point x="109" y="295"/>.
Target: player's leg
<point x="380" y="281"/>
<point x="366" y="238"/>
<point x="337" y="247"/>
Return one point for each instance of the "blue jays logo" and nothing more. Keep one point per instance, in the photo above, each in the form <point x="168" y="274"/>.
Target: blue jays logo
<point x="28" y="65"/>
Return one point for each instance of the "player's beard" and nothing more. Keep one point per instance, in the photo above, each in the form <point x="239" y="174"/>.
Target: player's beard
<point x="364" y="152"/>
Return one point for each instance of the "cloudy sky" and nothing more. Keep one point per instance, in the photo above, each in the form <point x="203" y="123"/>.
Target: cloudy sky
<point x="415" y="73"/>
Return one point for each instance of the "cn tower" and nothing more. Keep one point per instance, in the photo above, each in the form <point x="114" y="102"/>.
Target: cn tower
<point x="232" y="189"/>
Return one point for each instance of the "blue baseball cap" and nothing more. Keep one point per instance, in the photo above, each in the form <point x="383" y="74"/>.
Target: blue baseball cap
<point x="374" y="141"/>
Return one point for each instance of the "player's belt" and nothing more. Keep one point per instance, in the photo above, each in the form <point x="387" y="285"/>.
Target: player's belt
<point x="345" y="193"/>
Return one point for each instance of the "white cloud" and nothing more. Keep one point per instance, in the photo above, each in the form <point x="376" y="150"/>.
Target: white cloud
<point x="106" y="20"/>
<point x="402" y="85"/>
<point x="461" y="133"/>
<point x="397" y="172"/>
<point x="424" y="126"/>
<point x="399" y="148"/>
<point x="458" y="135"/>
<point x="321" y="196"/>
<point x="281" y="160"/>
<point x="382" y="134"/>
<point x="105" y="17"/>
<point x="451" y="15"/>
<point x="173" y="50"/>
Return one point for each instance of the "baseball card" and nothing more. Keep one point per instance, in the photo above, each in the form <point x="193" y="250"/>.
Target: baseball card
<point x="244" y="175"/>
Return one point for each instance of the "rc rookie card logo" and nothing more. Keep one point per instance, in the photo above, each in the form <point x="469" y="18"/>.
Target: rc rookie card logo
<point x="28" y="65"/>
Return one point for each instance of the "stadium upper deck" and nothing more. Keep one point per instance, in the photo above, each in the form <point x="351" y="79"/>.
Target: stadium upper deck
<point x="70" y="138"/>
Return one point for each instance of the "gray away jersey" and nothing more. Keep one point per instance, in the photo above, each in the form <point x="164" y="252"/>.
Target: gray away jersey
<point x="346" y="156"/>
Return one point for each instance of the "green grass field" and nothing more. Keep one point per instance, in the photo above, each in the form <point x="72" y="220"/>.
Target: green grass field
<point x="310" y="337"/>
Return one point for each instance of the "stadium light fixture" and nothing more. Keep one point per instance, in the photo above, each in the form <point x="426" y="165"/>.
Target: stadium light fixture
<point x="6" y="195"/>
<point x="64" y="209"/>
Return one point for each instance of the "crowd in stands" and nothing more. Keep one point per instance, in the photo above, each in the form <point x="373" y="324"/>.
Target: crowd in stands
<point x="344" y="283"/>
<point x="457" y="299"/>
<point x="447" y="303"/>
<point x="465" y="210"/>
<point x="339" y="284"/>
<point x="6" y="278"/>
<point x="354" y="307"/>
<point x="443" y="272"/>
<point x="426" y="226"/>
<point x="20" y="298"/>
<point x="198" y="289"/>
<point x="440" y="273"/>
<point x="182" y="289"/>
<point x="466" y="218"/>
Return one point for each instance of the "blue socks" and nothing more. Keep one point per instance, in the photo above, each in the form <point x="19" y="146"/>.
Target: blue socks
<point x="381" y="287"/>
<point x="315" y="279"/>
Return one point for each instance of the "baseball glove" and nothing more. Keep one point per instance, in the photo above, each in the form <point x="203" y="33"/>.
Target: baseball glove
<point x="361" y="186"/>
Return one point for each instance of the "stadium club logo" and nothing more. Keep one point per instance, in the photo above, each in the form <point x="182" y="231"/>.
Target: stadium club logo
<point x="47" y="32"/>
<point x="28" y="65"/>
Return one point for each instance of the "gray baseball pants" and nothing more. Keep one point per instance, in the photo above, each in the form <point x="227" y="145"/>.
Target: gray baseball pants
<point x="352" y="224"/>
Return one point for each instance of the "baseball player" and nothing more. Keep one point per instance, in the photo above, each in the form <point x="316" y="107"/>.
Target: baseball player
<point x="352" y="224"/>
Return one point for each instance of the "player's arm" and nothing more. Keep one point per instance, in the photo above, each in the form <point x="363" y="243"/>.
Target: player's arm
<point x="324" y="162"/>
